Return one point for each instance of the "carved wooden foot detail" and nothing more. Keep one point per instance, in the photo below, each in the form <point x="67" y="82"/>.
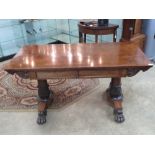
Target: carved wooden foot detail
<point x="41" y="117"/>
<point x="43" y="96"/>
<point x="115" y="93"/>
<point x="118" y="114"/>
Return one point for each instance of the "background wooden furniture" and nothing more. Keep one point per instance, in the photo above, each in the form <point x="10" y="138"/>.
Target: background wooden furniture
<point x="94" y="29"/>
<point x="97" y="60"/>
<point x="132" y="31"/>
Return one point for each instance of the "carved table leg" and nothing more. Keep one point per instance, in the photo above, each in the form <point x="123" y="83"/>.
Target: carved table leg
<point x="80" y="37"/>
<point x="115" y="93"/>
<point x="84" y="38"/>
<point x="43" y="93"/>
<point x="96" y="38"/>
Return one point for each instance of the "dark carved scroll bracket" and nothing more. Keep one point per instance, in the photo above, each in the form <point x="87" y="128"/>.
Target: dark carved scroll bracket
<point x="24" y="75"/>
<point x="132" y="72"/>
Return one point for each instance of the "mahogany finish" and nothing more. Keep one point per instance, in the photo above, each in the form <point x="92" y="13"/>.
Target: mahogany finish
<point x="78" y="57"/>
<point x="94" y="29"/>
<point x="110" y="60"/>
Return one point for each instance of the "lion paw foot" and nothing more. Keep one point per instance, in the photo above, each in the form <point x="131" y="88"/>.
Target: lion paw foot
<point x="119" y="117"/>
<point x="41" y="117"/>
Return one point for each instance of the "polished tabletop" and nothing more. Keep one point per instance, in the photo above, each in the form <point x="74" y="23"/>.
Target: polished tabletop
<point x="78" y="56"/>
<point x="94" y="25"/>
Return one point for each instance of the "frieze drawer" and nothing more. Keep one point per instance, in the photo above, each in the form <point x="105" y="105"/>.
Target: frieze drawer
<point x="56" y="74"/>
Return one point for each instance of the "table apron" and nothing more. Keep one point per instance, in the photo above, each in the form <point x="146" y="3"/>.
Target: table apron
<point x="81" y="74"/>
<point x="98" y="32"/>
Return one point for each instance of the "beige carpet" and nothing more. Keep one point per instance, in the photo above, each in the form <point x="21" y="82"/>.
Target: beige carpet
<point x="17" y="93"/>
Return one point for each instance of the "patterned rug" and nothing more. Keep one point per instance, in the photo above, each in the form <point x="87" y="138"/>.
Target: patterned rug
<point x="21" y="94"/>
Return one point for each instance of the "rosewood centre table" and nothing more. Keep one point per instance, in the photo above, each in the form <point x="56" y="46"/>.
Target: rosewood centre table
<point x="96" y="60"/>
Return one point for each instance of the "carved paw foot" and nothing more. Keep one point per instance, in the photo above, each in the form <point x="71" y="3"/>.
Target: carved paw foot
<point x="42" y="117"/>
<point x="119" y="117"/>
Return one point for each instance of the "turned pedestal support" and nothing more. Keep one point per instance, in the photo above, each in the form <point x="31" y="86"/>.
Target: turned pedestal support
<point x="43" y="97"/>
<point x="116" y="96"/>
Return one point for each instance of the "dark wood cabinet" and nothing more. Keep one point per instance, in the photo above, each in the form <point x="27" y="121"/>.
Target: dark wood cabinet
<point x="132" y="31"/>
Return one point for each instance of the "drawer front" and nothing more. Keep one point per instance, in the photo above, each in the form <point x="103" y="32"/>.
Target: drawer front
<point x="56" y="74"/>
<point x="26" y="74"/>
<point x="102" y="73"/>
